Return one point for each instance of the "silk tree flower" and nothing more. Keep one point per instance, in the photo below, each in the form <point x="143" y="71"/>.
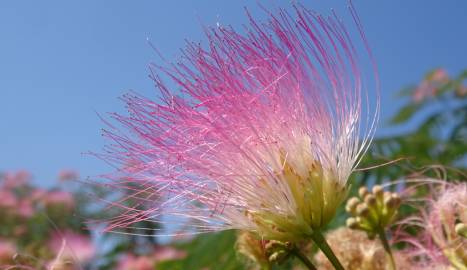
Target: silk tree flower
<point x="8" y="200"/>
<point x="431" y="85"/>
<point x="71" y="248"/>
<point x="259" y="131"/>
<point x="439" y="245"/>
<point x="13" y="180"/>
<point x="58" y="198"/>
<point x="68" y="175"/>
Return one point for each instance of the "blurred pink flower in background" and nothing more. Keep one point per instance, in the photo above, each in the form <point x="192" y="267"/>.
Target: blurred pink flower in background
<point x="67" y="175"/>
<point x="148" y="262"/>
<point x="7" y="199"/>
<point x="132" y="262"/>
<point x="72" y="246"/>
<point x="461" y="90"/>
<point x="7" y="251"/>
<point x="58" y="198"/>
<point x="37" y="194"/>
<point x="16" y="179"/>
<point x="25" y="208"/>
<point x="163" y="253"/>
<point x="438" y="245"/>
<point x="431" y="84"/>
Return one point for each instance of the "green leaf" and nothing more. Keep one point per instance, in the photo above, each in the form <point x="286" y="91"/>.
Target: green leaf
<point x="405" y="113"/>
<point x="209" y="251"/>
<point x="405" y="92"/>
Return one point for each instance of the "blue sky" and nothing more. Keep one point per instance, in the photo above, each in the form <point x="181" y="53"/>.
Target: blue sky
<point x="63" y="61"/>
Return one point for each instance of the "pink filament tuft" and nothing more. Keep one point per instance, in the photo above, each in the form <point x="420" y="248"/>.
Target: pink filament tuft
<point x="291" y="85"/>
<point x="445" y="205"/>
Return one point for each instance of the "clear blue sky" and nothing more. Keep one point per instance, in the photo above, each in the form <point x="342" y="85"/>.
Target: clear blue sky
<point x="63" y="61"/>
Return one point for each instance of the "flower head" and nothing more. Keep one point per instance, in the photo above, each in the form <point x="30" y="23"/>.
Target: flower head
<point x="431" y="85"/>
<point x="372" y="211"/>
<point x="262" y="135"/>
<point x="57" y="198"/>
<point x="67" y="175"/>
<point x="12" y="180"/>
<point x="440" y="242"/>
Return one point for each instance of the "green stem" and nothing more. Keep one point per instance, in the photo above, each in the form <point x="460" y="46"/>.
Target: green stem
<point x="303" y="258"/>
<point x="387" y="248"/>
<point x="320" y="241"/>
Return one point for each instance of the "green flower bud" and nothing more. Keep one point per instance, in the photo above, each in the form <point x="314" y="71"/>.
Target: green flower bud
<point x="351" y="205"/>
<point x="362" y="192"/>
<point x="393" y="201"/>
<point x="378" y="191"/>
<point x="370" y="200"/>
<point x="363" y="210"/>
<point x="373" y="211"/>
<point x="352" y="223"/>
<point x="461" y="229"/>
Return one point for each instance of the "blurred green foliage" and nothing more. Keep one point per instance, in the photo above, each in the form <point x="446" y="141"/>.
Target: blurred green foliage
<point x="437" y="137"/>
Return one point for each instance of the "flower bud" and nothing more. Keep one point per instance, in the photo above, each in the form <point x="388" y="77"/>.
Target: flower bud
<point x="352" y="223"/>
<point x="362" y="210"/>
<point x="277" y="251"/>
<point x="362" y="192"/>
<point x="386" y="195"/>
<point x="393" y="201"/>
<point x="461" y="229"/>
<point x="370" y="200"/>
<point x="378" y="191"/>
<point x="352" y="205"/>
<point x="279" y="256"/>
<point x="373" y="211"/>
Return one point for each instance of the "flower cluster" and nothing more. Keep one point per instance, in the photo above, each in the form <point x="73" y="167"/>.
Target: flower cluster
<point x="431" y="85"/>
<point x="438" y="243"/>
<point x="38" y="229"/>
<point x="373" y="211"/>
<point x="261" y="132"/>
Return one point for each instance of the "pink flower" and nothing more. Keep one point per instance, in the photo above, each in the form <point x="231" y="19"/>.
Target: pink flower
<point x="67" y="175"/>
<point x="438" y="244"/>
<point x="431" y="84"/>
<point x="261" y="131"/>
<point x="37" y="194"/>
<point x="132" y="262"/>
<point x="164" y="253"/>
<point x="72" y="246"/>
<point x="17" y="179"/>
<point x="148" y="262"/>
<point x="25" y="208"/>
<point x="58" y="198"/>
<point x="7" y="251"/>
<point x="8" y="199"/>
